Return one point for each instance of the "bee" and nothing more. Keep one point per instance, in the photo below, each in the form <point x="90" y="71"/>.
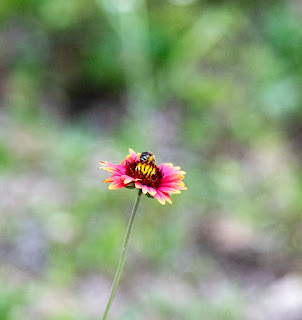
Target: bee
<point x="146" y="169"/>
<point x="147" y="158"/>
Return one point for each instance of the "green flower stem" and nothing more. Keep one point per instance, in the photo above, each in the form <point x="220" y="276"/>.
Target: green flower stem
<point x="122" y="258"/>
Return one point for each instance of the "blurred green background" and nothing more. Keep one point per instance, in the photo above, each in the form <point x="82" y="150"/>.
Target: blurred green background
<point x="213" y="86"/>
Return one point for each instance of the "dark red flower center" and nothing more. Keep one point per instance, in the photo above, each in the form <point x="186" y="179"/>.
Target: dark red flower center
<point x="148" y="173"/>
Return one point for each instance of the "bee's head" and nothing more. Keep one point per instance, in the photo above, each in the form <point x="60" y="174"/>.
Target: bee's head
<point x="147" y="157"/>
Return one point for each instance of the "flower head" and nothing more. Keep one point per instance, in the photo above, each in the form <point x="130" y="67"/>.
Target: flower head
<point x="139" y="171"/>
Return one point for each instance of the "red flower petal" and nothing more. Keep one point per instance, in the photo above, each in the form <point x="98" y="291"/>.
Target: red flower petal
<point x="138" y="185"/>
<point x="151" y="191"/>
<point x="167" y="197"/>
<point x="169" y="190"/>
<point x="112" y="168"/>
<point x="144" y="189"/>
<point x="126" y="179"/>
<point x="159" y="196"/>
<point x="172" y="178"/>
<point x="110" y="179"/>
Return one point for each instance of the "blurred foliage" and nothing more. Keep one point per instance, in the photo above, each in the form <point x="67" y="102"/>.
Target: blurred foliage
<point x="213" y="86"/>
<point x="10" y="301"/>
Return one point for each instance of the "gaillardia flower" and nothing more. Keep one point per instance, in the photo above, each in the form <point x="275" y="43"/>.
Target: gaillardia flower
<point x="139" y="171"/>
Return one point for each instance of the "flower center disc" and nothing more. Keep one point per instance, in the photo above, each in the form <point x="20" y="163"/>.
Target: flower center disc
<point x="148" y="173"/>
